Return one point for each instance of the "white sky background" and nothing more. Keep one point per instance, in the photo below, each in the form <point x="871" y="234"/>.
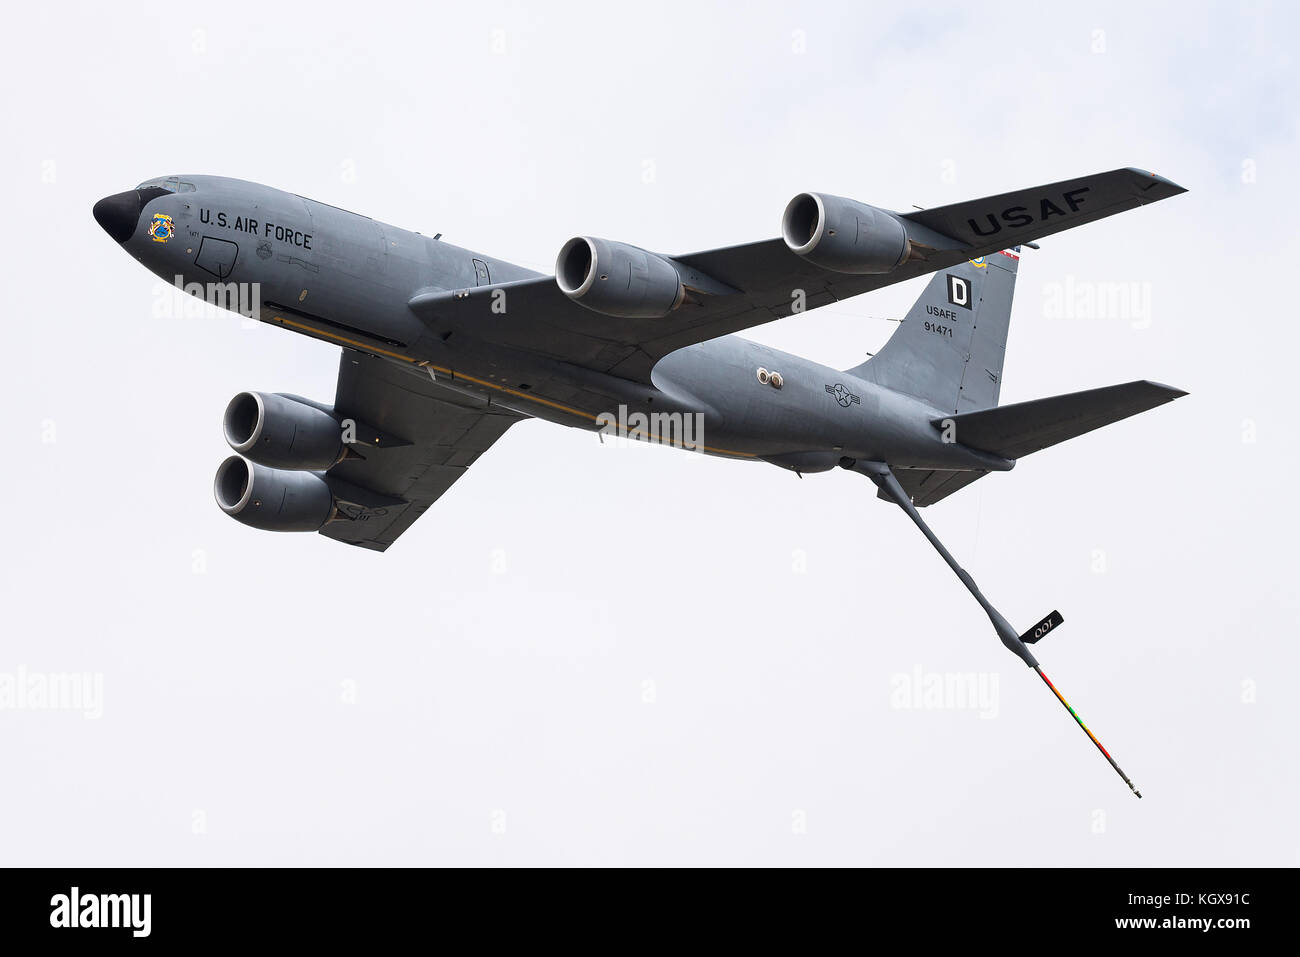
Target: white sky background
<point x="503" y="651"/>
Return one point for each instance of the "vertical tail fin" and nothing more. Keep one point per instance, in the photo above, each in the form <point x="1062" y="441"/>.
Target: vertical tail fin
<point x="950" y="347"/>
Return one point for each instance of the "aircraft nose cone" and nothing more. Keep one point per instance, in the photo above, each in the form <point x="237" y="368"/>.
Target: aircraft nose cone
<point x="119" y="213"/>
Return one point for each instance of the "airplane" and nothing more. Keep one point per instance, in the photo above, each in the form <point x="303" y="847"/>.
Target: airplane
<point x="444" y="349"/>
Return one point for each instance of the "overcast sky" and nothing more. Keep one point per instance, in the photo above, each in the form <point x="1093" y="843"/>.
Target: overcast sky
<point x="609" y="655"/>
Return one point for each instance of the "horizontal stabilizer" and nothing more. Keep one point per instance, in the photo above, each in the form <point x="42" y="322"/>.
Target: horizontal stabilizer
<point x="1014" y="431"/>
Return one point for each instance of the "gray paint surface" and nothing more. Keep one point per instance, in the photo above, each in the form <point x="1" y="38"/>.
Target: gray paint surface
<point x="445" y="348"/>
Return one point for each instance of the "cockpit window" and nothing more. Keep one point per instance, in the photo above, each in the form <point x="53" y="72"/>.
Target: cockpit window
<point x="173" y="184"/>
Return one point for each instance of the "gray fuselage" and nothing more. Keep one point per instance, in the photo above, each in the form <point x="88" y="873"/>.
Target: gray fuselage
<point x="348" y="279"/>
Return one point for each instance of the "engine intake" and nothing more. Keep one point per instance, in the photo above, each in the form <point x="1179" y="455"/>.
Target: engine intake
<point x="282" y="432"/>
<point x="843" y="235"/>
<point x="275" y="500"/>
<point x="616" y="279"/>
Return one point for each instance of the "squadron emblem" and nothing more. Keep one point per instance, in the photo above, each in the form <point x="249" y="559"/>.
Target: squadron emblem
<point x="161" y="228"/>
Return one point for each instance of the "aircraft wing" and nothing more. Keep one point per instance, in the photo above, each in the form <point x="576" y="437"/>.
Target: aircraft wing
<point x="758" y="281"/>
<point x="430" y="436"/>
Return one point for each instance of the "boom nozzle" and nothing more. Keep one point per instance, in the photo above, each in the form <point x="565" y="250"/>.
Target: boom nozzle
<point x="1092" y="737"/>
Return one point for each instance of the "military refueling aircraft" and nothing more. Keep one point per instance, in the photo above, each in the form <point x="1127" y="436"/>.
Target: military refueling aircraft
<point x="444" y="349"/>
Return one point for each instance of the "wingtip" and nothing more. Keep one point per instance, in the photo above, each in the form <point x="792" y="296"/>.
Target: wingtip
<point x="1155" y="186"/>
<point x="1172" y="392"/>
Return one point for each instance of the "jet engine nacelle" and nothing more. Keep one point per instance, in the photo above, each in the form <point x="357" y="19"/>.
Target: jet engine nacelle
<point x="281" y="432"/>
<point x="843" y="235"/>
<point x="275" y="500"/>
<point x="616" y="279"/>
